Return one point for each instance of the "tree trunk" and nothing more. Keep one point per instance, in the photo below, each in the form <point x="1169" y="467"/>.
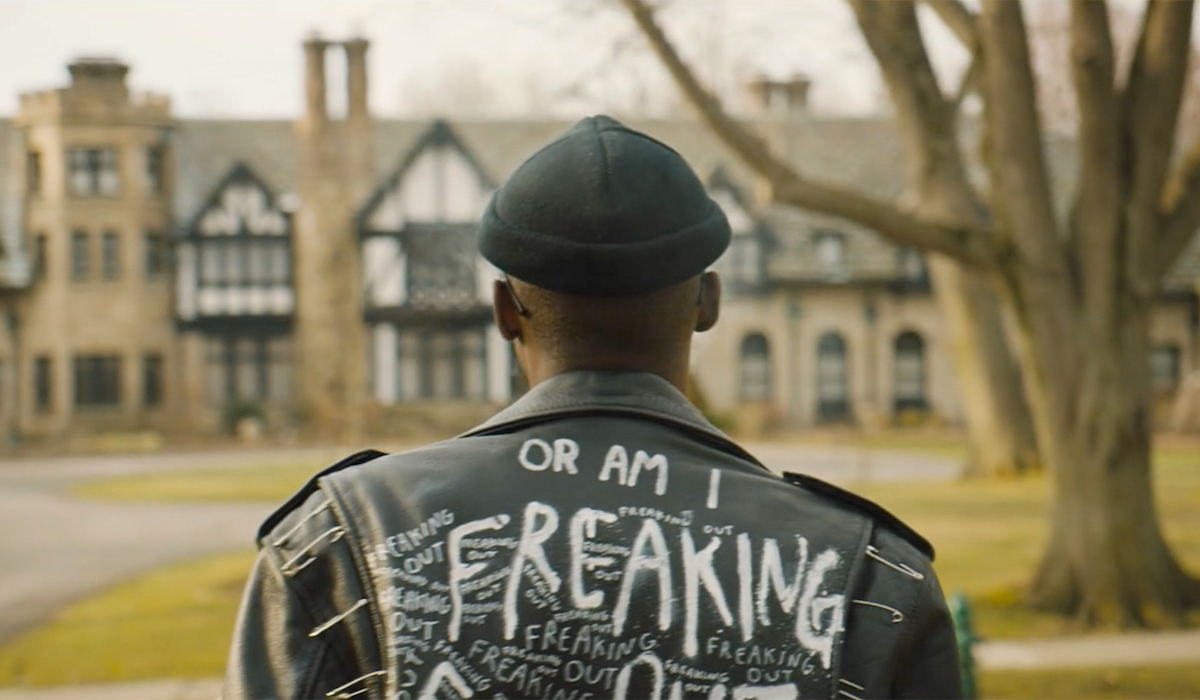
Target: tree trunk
<point x="1106" y="563"/>
<point x="999" y="427"/>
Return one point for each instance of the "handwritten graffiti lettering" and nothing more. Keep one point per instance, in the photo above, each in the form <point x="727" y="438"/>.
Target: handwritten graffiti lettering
<point x="460" y="571"/>
<point x="533" y="537"/>
<point x="538" y="455"/>
<point x="698" y="571"/>
<point x="400" y="543"/>
<point x="658" y="561"/>
<point x="583" y="527"/>
<point x="617" y="461"/>
<point x="554" y="601"/>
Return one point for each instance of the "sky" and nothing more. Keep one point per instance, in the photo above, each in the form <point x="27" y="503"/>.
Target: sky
<point x="219" y="58"/>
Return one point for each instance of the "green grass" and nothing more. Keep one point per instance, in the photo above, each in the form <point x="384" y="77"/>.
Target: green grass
<point x="273" y="483"/>
<point x="171" y="623"/>
<point x="989" y="534"/>
<point x="1174" y="681"/>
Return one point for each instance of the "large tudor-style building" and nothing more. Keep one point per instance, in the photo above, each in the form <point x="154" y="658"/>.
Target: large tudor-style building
<point x="174" y="274"/>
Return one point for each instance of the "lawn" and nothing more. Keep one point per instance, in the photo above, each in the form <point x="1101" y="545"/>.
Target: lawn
<point x="274" y="483"/>
<point x="171" y="623"/>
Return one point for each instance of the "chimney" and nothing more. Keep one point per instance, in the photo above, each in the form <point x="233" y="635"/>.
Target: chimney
<point x="780" y="97"/>
<point x="314" y="80"/>
<point x="98" y="73"/>
<point x="356" y="80"/>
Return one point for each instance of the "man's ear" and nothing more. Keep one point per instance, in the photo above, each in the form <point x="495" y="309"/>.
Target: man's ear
<point x="504" y="311"/>
<point x="710" y="301"/>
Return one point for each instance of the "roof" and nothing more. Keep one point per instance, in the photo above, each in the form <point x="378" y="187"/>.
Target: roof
<point x="860" y="152"/>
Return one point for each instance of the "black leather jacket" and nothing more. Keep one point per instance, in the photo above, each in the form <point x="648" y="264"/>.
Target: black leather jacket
<point x="598" y="538"/>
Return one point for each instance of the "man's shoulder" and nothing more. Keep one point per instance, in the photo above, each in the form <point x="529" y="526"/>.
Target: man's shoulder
<point x="365" y="464"/>
<point x="840" y="498"/>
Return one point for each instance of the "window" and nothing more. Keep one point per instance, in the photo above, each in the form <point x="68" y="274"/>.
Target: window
<point x="92" y="172"/>
<point x="111" y="254"/>
<point x="79" y="255"/>
<point x="1164" y="367"/>
<point x="745" y="263"/>
<point x="831" y="252"/>
<point x="42" y="395"/>
<point x="911" y="264"/>
<point x="908" y="372"/>
<point x="33" y="173"/>
<point x="449" y="366"/>
<point x="156" y="168"/>
<point x="155" y="254"/>
<point x="152" y="379"/>
<point x="97" y="380"/>
<point x="39" y="255"/>
<point x="755" y="368"/>
<point x="833" y="391"/>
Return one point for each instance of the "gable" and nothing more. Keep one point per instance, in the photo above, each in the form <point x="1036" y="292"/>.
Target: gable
<point x="438" y="181"/>
<point x="241" y="204"/>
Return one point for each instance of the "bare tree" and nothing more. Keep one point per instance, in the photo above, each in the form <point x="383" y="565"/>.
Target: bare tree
<point x="1079" y="290"/>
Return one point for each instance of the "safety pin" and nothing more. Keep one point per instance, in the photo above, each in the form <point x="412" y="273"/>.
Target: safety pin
<point x="897" y="616"/>
<point x="902" y="568"/>
<point x="336" y="619"/>
<point x="338" y="690"/>
<point x="852" y="684"/>
<point x="842" y="691"/>
<point x="284" y="538"/>
<point x="288" y="568"/>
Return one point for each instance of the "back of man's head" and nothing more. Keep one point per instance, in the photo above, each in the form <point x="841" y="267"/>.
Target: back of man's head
<point x="605" y="233"/>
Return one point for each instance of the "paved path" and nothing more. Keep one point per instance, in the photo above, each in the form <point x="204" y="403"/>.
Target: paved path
<point x="56" y="549"/>
<point x="1134" y="649"/>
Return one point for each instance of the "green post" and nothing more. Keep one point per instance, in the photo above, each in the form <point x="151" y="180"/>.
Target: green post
<point x="960" y="612"/>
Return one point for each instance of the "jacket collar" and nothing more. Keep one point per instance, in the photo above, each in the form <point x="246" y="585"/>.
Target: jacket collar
<point x="615" y="391"/>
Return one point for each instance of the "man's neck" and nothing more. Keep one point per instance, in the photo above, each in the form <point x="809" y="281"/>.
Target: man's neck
<point x="673" y="369"/>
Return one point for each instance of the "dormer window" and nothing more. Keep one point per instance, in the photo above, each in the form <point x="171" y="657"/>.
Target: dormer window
<point x="831" y="252"/>
<point x="92" y="172"/>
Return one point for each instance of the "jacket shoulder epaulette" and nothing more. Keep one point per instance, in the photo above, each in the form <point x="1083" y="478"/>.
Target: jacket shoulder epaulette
<point x="867" y="507"/>
<point x="309" y="488"/>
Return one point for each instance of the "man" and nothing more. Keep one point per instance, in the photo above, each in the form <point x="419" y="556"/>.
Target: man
<point x="598" y="538"/>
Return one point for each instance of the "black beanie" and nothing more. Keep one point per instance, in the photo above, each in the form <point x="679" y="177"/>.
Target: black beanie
<point x="603" y="211"/>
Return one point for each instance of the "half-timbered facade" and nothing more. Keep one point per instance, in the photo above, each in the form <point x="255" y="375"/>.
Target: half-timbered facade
<point x="234" y="292"/>
<point x="426" y="290"/>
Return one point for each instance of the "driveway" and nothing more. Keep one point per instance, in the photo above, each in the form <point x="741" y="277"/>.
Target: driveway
<point x="55" y="549"/>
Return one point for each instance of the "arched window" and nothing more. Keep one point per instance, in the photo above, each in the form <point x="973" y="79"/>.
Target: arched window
<point x="908" y="373"/>
<point x="756" y="368"/>
<point x="1164" y="367"/>
<point x="833" y="386"/>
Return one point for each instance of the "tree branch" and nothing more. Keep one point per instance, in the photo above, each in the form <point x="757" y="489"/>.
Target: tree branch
<point x="1096" y="221"/>
<point x="924" y="117"/>
<point x="1181" y="202"/>
<point x="963" y="22"/>
<point x="788" y="186"/>
<point x="1151" y="104"/>
<point x="1020" y="180"/>
<point x="960" y="19"/>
